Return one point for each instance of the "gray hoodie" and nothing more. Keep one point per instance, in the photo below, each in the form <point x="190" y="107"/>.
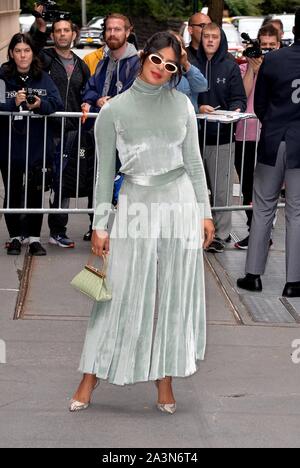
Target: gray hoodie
<point x="114" y="64"/>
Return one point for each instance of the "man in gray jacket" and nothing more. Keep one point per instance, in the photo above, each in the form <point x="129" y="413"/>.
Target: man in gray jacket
<point x="277" y="105"/>
<point x="118" y="70"/>
<point x="115" y="73"/>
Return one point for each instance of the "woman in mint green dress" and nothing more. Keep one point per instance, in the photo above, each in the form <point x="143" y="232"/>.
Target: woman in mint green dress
<point x="154" y="328"/>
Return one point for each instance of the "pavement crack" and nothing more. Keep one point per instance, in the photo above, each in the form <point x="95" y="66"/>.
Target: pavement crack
<point x="11" y="403"/>
<point x="20" y="274"/>
<point x="238" y="395"/>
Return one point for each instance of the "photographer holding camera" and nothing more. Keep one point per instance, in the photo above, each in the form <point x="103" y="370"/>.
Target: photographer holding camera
<point x="27" y="87"/>
<point x="268" y="39"/>
<point x="70" y="74"/>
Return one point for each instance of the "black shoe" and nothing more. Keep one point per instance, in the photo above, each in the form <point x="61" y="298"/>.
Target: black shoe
<point x="217" y="246"/>
<point x="291" y="290"/>
<point x="14" y="247"/>
<point x="88" y="236"/>
<point x="243" y="244"/>
<point x="36" y="250"/>
<point x="250" y="283"/>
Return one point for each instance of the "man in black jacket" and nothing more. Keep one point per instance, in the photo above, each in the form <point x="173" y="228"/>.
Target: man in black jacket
<point x="225" y="90"/>
<point x="70" y="74"/>
<point x="277" y="105"/>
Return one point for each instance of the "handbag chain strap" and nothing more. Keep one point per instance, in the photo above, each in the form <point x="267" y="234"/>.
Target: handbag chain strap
<point x="90" y="266"/>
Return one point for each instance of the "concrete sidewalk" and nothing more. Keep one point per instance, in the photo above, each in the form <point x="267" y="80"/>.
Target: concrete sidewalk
<point x="246" y="393"/>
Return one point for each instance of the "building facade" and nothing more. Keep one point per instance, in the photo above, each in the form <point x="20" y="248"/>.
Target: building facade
<point x="9" y="24"/>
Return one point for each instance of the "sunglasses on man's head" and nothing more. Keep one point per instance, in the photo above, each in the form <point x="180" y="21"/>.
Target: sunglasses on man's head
<point x="168" y="66"/>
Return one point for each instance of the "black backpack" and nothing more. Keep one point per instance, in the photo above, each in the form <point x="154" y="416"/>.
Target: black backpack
<point x="87" y="158"/>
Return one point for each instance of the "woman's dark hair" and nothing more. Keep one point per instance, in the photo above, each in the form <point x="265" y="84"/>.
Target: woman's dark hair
<point x="72" y="25"/>
<point x="178" y="37"/>
<point x="10" y="67"/>
<point x="159" y="41"/>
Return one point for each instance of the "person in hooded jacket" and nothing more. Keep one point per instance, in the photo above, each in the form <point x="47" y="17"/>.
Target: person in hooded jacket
<point x="225" y="90"/>
<point x="70" y="74"/>
<point x="26" y="87"/>
<point x="68" y="71"/>
<point x="115" y="73"/>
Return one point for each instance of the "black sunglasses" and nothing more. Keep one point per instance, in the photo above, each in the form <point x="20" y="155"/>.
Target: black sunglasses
<point x="201" y="25"/>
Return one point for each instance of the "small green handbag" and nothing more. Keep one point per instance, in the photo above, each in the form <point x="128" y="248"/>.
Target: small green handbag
<point x="92" y="282"/>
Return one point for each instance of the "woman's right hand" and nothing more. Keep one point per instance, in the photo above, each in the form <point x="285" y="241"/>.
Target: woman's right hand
<point x="100" y="243"/>
<point x="20" y="97"/>
<point x="41" y="23"/>
<point x="255" y="64"/>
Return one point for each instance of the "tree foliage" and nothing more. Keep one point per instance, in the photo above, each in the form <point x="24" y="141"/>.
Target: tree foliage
<point x="160" y="9"/>
<point x="244" y="7"/>
<point x="279" y="6"/>
<point x="165" y="9"/>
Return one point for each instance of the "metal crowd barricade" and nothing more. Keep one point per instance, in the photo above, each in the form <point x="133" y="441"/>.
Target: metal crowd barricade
<point x="230" y="118"/>
<point x="45" y="209"/>
<point x="218" y="117"/>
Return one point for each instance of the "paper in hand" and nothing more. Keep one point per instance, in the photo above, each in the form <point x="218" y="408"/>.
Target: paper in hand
<point x="2" y="92"/>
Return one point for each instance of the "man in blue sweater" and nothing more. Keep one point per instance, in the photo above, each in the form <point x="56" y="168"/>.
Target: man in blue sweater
<point x="114" y="74"/>
<point x="117" y="72"/>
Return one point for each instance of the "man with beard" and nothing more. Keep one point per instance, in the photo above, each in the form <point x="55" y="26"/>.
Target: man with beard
<point x="117" y="72"/>
<point x="114" y="75"/>
<point x="70" y="74"/>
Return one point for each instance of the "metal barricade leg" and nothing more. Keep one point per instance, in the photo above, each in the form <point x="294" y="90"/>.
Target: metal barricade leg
<point x="217" y="161"/>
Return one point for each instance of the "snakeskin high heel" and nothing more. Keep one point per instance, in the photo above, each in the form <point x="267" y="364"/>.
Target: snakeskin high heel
<point x="168" y="408"/>
<point x="76" y="406"/>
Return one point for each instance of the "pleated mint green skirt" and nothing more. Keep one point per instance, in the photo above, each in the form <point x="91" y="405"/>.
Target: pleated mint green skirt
<point x="155" y="325"/>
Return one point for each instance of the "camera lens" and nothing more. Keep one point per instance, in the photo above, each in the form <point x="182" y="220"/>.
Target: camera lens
<point x="31" y="99"/>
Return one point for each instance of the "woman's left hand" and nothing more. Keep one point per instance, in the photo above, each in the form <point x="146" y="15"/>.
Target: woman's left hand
<point x="36" y="105"/>
<point x="209" y="233"/>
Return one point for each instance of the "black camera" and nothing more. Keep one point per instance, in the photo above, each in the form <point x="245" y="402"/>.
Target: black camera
<point x="30" y="96"/>
<point x="51" y="13"/>
<point x="253" y="50"/>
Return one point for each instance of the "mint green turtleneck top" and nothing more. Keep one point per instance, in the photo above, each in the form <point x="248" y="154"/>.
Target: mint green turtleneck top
<point x="155" y="131"/>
